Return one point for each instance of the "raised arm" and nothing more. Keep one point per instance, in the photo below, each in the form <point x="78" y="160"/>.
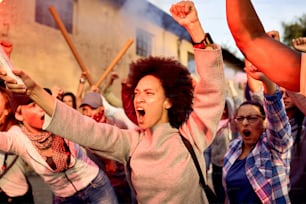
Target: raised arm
<point x="278" y="126"/>
<point x="80" y="89"/>
<point x="299" y="44"/>
<point x="31" y="88"/>
<point x="186" y="15"/>
<point x="268" y="85"/>
<point x="209" y="94"/>
<point x="267" y="54"/>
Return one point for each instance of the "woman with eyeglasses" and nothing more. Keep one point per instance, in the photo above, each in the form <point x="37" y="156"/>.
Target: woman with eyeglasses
<point x="256" y="166"/>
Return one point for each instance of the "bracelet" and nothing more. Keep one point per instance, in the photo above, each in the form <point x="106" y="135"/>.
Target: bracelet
<point x="82" y="80"/>
<point x="207" y="41"/>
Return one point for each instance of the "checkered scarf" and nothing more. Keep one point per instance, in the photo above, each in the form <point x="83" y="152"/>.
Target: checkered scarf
<point x="60" y="158"/>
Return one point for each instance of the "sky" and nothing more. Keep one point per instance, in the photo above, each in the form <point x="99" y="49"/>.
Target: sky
<point x="213" y="17"/>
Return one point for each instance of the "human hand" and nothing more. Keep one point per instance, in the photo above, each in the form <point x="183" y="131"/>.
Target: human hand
<point x="299" y="44"/>
<point x="57" y="92"/>
<point x="125" y="83"/>
<point x="274" y="34"/>
<point x="254" y="73"/>
<point x="114" y="76"/>
<point x="254" y="84"/>
<point x="83" y="75"/>
<point x="94" y="88"/>
<point x="185" y="13"/>
<point x="11" y="83"/>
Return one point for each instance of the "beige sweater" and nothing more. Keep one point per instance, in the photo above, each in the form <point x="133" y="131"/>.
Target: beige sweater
<point x="162" y="170"/>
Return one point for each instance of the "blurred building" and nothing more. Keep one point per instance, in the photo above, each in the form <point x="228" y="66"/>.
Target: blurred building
<point x="98" y="30"/>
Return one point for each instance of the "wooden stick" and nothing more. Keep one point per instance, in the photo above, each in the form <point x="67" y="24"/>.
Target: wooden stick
<point x="70" y="43"/>
<point x="114" y="62"/>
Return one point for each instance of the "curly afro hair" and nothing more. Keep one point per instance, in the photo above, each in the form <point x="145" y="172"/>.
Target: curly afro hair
<point x="175" y="80"/>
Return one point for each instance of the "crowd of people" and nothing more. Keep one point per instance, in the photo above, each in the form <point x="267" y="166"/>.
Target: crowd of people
<point x="103" y="153"/>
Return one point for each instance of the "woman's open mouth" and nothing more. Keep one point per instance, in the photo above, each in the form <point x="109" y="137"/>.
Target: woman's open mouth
<point x="246" y="133"/>
<point x="141" y="112"/>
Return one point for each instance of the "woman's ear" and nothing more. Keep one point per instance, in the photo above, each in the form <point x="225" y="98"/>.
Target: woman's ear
<point x="167" y="103"/>
<point x="18" y="114"/>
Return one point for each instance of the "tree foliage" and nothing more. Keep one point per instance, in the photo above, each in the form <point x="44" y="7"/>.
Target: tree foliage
<point x="294" y="29"/>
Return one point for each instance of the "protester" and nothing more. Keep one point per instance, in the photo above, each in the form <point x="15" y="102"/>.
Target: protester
<point x="256" y="166"/>
<point x="14" y="185"/>
<point x="70" y="99"/>
<point x="110" y="111"/>
<point x="298" y="162"/>
<point x="160" y="166"/>
<point x="127" y="101"/>
<point x="63" y="165"/>
<point x="268" y="55"/>
<point x="106" y="90"/>
<point x="298" y="99"/>
<point x="92" y="106"/>
<point x="216" y="151"/>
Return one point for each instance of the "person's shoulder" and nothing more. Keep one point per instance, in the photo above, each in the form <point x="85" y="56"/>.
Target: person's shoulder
<point x="16" y="135"/>
<point x="116" y="122"/>
<point x="235" y="143"/>
<point x="16" y="129"/>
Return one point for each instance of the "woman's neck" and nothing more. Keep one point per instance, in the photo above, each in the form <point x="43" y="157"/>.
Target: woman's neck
<point x="246" y="149"/>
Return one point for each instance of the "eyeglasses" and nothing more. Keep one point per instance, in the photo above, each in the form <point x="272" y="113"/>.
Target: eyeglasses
<point x="249" y="118"/>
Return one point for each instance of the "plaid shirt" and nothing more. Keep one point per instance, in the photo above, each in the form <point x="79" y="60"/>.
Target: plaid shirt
<point x="268" y="164"/>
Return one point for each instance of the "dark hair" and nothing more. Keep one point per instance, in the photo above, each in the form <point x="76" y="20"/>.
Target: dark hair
<point x="247" y="94"/>
<point x="175" y="80"/>
<point x="48" y="90"/>
<point x="254" y="103"/>
<point x="2" y="83"/>
<point x="73" y="98"/>
<point x="9" y="105"/>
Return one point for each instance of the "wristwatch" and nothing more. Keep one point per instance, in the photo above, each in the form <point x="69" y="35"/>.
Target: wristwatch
<point x="82" y="80"/>
<point x="207" y="41"/>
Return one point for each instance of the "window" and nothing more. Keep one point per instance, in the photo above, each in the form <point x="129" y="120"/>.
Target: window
<point x="143" y="43"/>
<point x="191" y="63"/>
<point x="64" y="9"/>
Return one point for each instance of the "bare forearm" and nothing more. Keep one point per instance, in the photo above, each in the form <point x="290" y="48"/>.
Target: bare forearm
<point x="271" y="57"/>
<point x="243" y="22"/>
<point x="269" y="87"/>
